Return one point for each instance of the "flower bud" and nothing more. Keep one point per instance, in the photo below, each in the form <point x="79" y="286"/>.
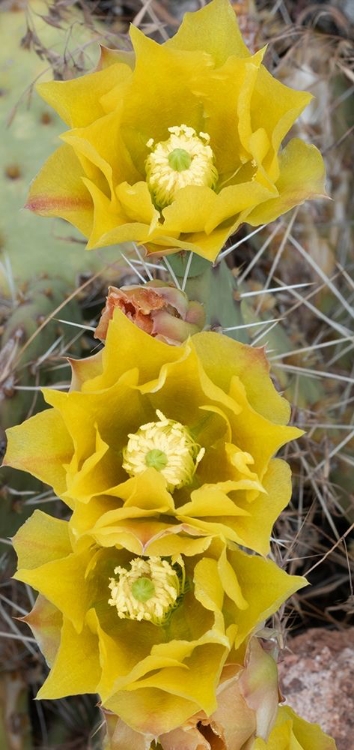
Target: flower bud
<point x="158" y="309"/>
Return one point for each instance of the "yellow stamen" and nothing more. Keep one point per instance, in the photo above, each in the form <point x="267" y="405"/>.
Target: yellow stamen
<point x="166" y="446"/>
<point x="148" y="591"/>
<point x="185" y="158"/>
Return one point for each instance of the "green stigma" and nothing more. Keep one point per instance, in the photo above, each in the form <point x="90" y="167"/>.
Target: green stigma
<point x="156" y="459"/>
<point x="179" y="159"/>
<point x="143" y="589"/>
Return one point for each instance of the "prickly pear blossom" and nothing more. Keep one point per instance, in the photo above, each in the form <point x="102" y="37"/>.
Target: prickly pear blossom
<point x="290" y="732"/>
<point x="175" y="145"/>
<point x="150" y="634"/>
<point x="154" y="438"/>
<point x="247" y="704"/>
<point x="247" y="717"/>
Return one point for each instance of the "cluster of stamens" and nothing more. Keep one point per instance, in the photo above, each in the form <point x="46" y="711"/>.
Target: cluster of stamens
<point x="185" y="158"/>
<point x="168" y="447"/>
<point x="148" y="591"/>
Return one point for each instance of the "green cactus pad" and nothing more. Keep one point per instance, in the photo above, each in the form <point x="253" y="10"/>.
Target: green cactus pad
<point x="29" y="132"/>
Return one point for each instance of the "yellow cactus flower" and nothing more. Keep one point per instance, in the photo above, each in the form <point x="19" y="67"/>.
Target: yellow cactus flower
<point x="247" y="703"/>
<point x="183" y="436"/>
<point x="247" y="717"/>
<point x="176" y="145"/>
<point x="149" y="634"/>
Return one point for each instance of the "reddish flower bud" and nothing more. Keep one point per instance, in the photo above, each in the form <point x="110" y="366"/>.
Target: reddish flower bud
<point x="160" y="310"/>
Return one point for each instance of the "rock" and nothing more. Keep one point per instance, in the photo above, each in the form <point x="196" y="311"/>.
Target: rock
<point x="317" y="677"/>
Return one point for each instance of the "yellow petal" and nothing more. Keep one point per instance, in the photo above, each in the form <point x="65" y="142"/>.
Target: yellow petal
<point x="223" y="358"/>
<point x="214" y="30"/>
<point x="151" y="710"/>
<point x="213" y="503"/>
<point x="45" y="621"/>
<point x="219" y="94"/>
<point x="197" y="682"/>
<point x="230" y="582"/>
<point x="110" y="226"/>
<point x="82" y="369"/>
<point x="207" y="587"/>
<point x="283" y="106"/>
<point x="97" y="473"/>
<point x="301" y="177"/>
<point x="273" y="586"/>
<point x="116" y="660"/>
<point x="146" y="491"/>
<point x="164" y="75"/>
<point x="135" y="201"/>
<point x="293" y="733"/>
<point x="58" y="190"/>
<point x="78" y="101"/>
<point x="178" y="540"/>
<point x="245" y="114"/>
<point x="101" y="144"/>
<point x="207" y="246"/>
<point x="255" y="528"/>
<point x="190" y="210"/>
<point x="270" y="436"/>
<point x="41" y="539"/>
<point x="51" y="580"/>
<point x="76" y="668"/>
<point x="237" y="200"/>
<point x="199" y="209"/>
<point x="94" y="419"/>
<point x="41" y="445"/>
<point x="76" y="415"/>
<point x="310" y="736"/>
<point x="167" y="698"/>
<point x="112" y="56"/>
<point x="136" y="348"/>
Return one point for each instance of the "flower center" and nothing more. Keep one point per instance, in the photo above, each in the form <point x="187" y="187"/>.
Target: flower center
<point x="184" y="159"/>
<point x="148" y="591"/>
<point x="168" y="447"/>
<point x="157" y="459"/>
<point x="179" y="159"/>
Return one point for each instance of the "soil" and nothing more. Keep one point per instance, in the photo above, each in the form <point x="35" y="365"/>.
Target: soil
<point x="317" y="678"/>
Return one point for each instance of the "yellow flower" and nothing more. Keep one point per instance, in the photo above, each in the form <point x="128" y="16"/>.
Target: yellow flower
<point x="247" y="704"/>
<point x="247" y="716"/>
<point x="180" y="436"/>
<point x="150" y="634"/>
<point x="177" y="145"/>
